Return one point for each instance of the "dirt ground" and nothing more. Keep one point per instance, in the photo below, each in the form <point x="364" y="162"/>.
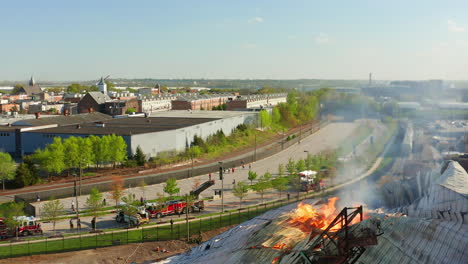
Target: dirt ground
<point x="141" y="253"/>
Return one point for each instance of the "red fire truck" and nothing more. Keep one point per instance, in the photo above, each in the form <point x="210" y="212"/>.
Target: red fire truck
<point x="28" y="226"/>
<point x="172" y="207"/>
<point x="156" y="210"/>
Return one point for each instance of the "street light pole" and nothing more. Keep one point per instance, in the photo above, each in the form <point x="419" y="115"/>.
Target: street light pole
<point x="221" y="177"/>
<point x="76" y="200"/>
<point x="255" y="151"/>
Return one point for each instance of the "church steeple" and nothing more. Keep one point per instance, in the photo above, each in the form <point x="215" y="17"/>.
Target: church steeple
<point x="32" y="82"/>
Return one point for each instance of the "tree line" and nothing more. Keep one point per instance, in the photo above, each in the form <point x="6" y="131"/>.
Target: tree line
<point x="72" y="154"/>
<point x="299" y="108"/>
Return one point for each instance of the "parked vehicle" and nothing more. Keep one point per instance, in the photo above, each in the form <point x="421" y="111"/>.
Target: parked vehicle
<point x="141" y="217"/>
<point x="156" y="210"/>
<point x="28" y="226"/>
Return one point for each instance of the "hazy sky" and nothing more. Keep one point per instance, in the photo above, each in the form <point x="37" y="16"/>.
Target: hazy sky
<point x="347" y="39"/>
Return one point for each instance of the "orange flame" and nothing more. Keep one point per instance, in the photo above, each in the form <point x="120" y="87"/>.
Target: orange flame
<point x="307" y="218"/>
<point x="276" y="259"/>
<point x="279" y="246"/>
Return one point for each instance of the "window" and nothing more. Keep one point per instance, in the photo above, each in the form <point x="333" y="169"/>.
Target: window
<point x="3" y="134"/>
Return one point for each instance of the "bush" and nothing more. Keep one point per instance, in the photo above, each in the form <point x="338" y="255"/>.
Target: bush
<point x="130" y="164"/>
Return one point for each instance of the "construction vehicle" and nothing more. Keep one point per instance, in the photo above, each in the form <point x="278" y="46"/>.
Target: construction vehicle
<point x="139" y="218"/>
<point x="28" y="225"/>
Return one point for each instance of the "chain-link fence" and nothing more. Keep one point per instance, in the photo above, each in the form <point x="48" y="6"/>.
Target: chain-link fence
<point x="180" y="230"/>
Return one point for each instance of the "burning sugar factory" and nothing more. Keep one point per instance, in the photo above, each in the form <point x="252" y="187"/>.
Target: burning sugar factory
<point x="416" y="212"/>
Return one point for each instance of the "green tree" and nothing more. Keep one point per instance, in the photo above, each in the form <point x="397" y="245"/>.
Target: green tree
<point x="280" y="184"/>
<point x="309" y="162"/>
<point x="130" y="111"/>
<point x="11" y="213"/>
<point x="170" y="187"/>
<point x="7" y="167"/>
<point x="292" y="101"/>
<point x="85" y="157"/>
<point x="73" y="153"/>
<point x="16" y="88"/>
<point x="140" y="157"/>
<point x="267" y="176"/>
<point x="117" y="149"/>
<point x="262" y="186"/>
<point x="94" y="201"/>
<point x="54" y="157"/>
<point x="276" y="116"/>
<point x="240" y="190"/>
<point x="26" y="173"/>
<point x="300" y="165"/>
<point x="130" y="207"/>
<point x="51" y="211"/>
<point x="252" y="176"/>
<point x="291" y="166"/>
<point x="265" y="119"/>
<point x="100" y="150"/>
<point x="280" y="169"/>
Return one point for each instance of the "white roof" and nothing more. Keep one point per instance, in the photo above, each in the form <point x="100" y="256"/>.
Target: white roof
<point x="455" y="178"/>
<point x="308" y="173"/>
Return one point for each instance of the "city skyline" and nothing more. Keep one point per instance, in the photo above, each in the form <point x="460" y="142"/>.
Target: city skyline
<point x="57" y="41"/>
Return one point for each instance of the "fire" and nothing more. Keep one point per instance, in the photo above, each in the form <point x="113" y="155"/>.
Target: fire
<point x="279" y="246"/>
<point x="276" y="259"/>
<point x="307" y="218"/>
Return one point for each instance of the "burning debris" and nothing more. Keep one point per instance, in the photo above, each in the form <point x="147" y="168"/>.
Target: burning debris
<point x="307" y="218"/>
<point x="316" y="231"/>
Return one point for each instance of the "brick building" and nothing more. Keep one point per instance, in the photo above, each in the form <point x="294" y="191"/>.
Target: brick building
<point x="93" y="100"/>
<point x="199" y="102"/>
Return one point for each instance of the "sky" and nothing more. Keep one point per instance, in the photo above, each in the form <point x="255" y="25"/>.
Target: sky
<point x="238" y="39"/>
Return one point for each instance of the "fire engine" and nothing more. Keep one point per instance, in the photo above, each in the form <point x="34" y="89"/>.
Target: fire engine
<point x="28" y="225"/>
<point x="156" y="210"/>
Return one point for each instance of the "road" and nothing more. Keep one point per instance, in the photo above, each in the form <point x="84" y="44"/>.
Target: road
<point x="327" y="138"/>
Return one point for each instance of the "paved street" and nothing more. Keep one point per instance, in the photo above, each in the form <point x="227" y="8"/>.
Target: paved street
<point x="328" y="137"/>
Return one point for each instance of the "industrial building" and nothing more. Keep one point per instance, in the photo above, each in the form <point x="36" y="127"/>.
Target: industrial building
<point x="257" y="101"/>
<point x="168" y="131"/>
<point x="200" y="102"/>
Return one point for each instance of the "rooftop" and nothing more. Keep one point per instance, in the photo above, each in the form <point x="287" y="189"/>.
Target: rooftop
<point x="64" y="120"/>
<point x="199" y="114"/>
<point x="127" y="126"/>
